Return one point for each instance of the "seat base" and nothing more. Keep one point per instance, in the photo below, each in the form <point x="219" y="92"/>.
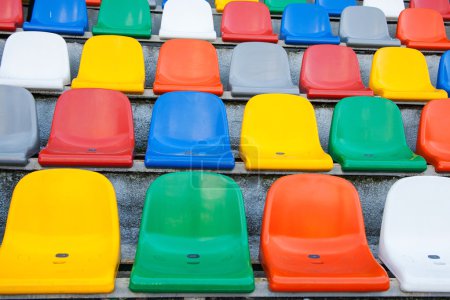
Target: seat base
<point x="159" y="88"/>
<point x="136" y="33"/>
<point x="354" y="42"/>
<point x="60" y="29"/>
<point x="48" y="158"/>
<point x="297" y="40"/>
<point x="204" y="162"/>
<point x="441" y="45"/>
<point x="51" y="84"/>
<point x="405" y="165"/>
<point x="324" y="163"/>
<point x="4" y="26"/>
<point x="123" y="87"/>
<point x="57" y="285"/>
<point x="235" y="37"/>
<point x="413" y="95"/>
<point x="167" y="34"/>
<point x="338" y="94"/>
<point x="252" y="91"/>
<point x="13" y="159"/>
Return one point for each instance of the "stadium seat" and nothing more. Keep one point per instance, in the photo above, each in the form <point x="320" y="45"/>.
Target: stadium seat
<point x="260" y="68"/>
<point x="422" y="28"/>
<point x="401" y="73"/>
<point x="335" y="7"/>
<point x="152" y="3"/>
<point x="367" y="134"/>
<point x="112" y="62"/>
<point x="46" y="67"/>
<point x="62" y="17"/>
<point x="193" y="237"/>
<point x="196" y="70"/>
<point x="306" y="24"/>
<point x="129" y="18"/>
<point x="443" y="79"/>
<point x="390" y="8"/>
<point x="247" y="22"/>
<point x="313" y="238"/>
<point x="91" y="127"/>
<point x="279" y="132"/>
<point x="413" y="241"/>
<point x="189" y="130"/>
<point x="442" y="6"/>
<point x="93" y="2"/>
<point x="278" y="6"/>
<point x="62" y="235"/>
<point x="19" y="136"/>
<point x="11" y="15"/>
<point x="221" y="4"/>
<point x="433" y="140"/>
<point x="331" y="71"/>
<point x="187" y="19"/>
<point x="364" y="26"/>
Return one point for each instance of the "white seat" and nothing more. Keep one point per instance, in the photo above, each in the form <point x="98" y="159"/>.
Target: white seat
<point x="187" y="19"/>
<point x="391" y="8"/>
<point x="37" y="60"/>
<point x="414" y="241"/>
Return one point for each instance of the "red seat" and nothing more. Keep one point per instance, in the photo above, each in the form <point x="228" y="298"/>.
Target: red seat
<point x="331" y="71"/>
<point x="442" y="6"/>
<point x="313" y="237"/>
<point x="93" y="2"/>
<point x="91" y="127"/>
<point x="11" y="15"/>
<point x="247" y="22"/>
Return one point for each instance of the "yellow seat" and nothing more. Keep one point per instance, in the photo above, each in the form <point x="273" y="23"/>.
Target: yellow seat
<point x="220" y="4"/>
<point x="402" y="73"/>
<point x="280" y="132"/>
<point x="112" y="62"/>
<point x="62" y="234"/>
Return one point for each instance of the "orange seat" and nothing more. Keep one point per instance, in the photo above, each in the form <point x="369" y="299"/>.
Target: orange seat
<point x="93" y="2"/>
<point x="433" y="140"/>
<point x="313" y="237"/>
<point x="187" y="65"/>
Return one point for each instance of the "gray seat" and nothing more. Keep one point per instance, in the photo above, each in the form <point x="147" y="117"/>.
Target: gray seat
<point x="364" y="26"/>
<point x="19" y="136"/>
<point x="152" y="3"/>
<point x="260" y="68"/>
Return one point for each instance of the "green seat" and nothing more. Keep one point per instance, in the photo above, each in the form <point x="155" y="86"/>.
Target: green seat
<point x="129" y="18"/>
<point x="277" y="6"/>
<point x="193" y="236"/>
<point x="367" y="135"/>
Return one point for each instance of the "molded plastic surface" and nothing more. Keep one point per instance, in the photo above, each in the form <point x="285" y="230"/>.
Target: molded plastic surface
<point x="11" y="15"/>
<point x="247" y="22"/>
<point x="413" y="243"/>
<point x="365" y="26"/>
<point x="331" y="71"/>
<point x="93" y="2"/>
<point x="401" y="73"/>
<point x="62" y="235"/>
<point x="367" y="135"/>
<point x="443" y="80"/>
<point x="260" y="68"/>
<point x="221" y="4"/>
<point x="279" y="132"/>
<point x="129" y="18"/>
<point x="193" y="236"/>
<point x="189" y="130"/>
<point x="335" y="7"/>
<point x="197" y="69"/>
<point x="91" y="127"/>
<point x="313" y="237"/>
<point x="442" y="6"/>
<point x="112" y="62"/>
<point x="390" y="8"/>
<point x="306" y="24"/>
<point x="278" y="6"/>
<point x="46" y="67"/>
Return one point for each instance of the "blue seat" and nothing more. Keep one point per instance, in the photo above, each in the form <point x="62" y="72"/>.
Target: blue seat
<point x="189" y="130"/>
<point x="306" y="24"/>
<point x="61" y="16"/>
<point x="443" y="80"/>
<point x="335" y="7"/>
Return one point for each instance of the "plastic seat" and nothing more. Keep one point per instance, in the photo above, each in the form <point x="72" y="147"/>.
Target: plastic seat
<point x="19" y="135"/>
<point x="364" y="26"/>
<point x="188" y="19"/>
<point x="367" y="135"/>
<point x="335" y="7"/>
<point x="260" y="68"/>
<point x="247" y="22"/>
<point x="129" y="18"/>
<point x="221" y="4"/>
<point x="279" y="132"/>
<point x="112" y="62"/>
<point x="422" y="28"/>
<point x="189" y="130"/>
<point x="415" y="213"/>
<point x="313" y="237"/>
<point x="278" y="6"/>
<point x="62" y="17"/>
<point x="62" y="235"/>
<point x="433" y="140"/>
<point x="196" y="70"/>
<point x="152" y="3"/>
<point x="390" y="8"/>
<point x="11" y="15"/>
<point x="443" y="79"/>
<point x="93" y="2"/>
<point x="306" y="24"/>
<point x="401" y="73"/>
<point x="91" y="127"/>
<point x="331" y="71"/>
<point x="442" y="6"/>
<point x="193" y="236"/>
<point x="46" y="67"/>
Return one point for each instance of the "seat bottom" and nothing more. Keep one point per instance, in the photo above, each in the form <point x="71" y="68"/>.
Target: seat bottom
<point x="441" y="45"/>
<point x="253" y="91"/>
<point x="323" y="163"/>
<point x="6" y="26"/>
<point x="197" y="162"/>
<point x="412" y="95"/>
<point x="13" y="159"/>
<point x="58" y="28"/>
<point x="207" y="35"/>
<point x="51" y="84"/>
<point x="136" y="33"/>
<point x="298" y="40"/>
<point x="338" y="94"/>
<point x="355" y="42"/>
<point x="48" y="158"/>
<point x="161" y="88"/>
<point x="131" y="87"/>
<point x="235" y="37"/>
<point x="405" y="165"/>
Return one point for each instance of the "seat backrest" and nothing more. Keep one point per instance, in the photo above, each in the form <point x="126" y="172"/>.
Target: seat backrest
<point x="391" y="8"/>
<point x="443" y="80"/>
<point x="120" y="14"/>
<point x="187" y="15"/>
<point x="335" y="4"/>
<point x="57" y="12"/>
<point x="442" y="6"/>
<point x="330" y="67"/>
<point x="421" y="24"/>
<point x="434" y="122"/>
<point x="363" y="22"/>
<point x="305" y="20"/>
<point x="11" y="12"/>
<point x="246" y="17"/>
